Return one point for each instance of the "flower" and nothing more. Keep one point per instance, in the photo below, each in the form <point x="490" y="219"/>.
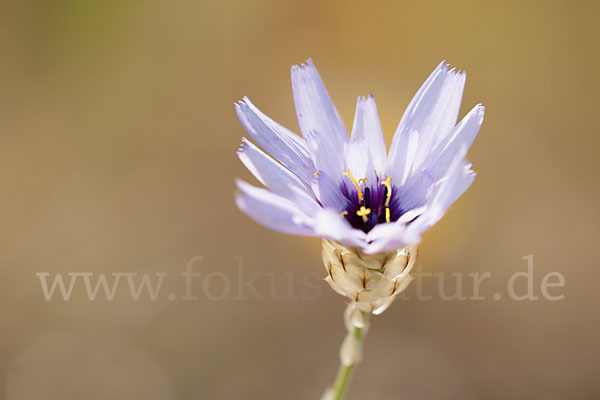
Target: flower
<point x="370" y="208"/>
<point x="345" y="188"/>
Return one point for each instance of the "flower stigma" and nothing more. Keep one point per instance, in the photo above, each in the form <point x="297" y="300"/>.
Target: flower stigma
<point x="363" y="212"/>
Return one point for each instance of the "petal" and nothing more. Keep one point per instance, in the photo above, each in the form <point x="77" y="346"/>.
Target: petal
<point x="314" y="107"/>
<point x="358" y="160"/>
<point x="390" y="236"/>
<point x="432" y="112"/>
<point x="328" y="192"/>
<point x="402" y="160"/>
<point x="304" y="201"/>
<point x="415" y="192"/>
<point x="327" y="157"/>
<point x="330" y="225"/>
<point x="272" y="210"/>
<point x="457" y="180"/>
<point x="367" y="127"/>
<point x="463" y="135"/>
<point x="282" y="144"/>
<point x="268" y="171"/>
<point x="464" y="177"/>
<point x="284" y="215"/>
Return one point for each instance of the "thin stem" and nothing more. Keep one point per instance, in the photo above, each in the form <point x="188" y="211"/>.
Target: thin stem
<point x="345" y="371"/>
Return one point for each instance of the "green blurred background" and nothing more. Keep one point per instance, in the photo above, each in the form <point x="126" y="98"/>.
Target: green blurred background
<point x="117" y="154"/>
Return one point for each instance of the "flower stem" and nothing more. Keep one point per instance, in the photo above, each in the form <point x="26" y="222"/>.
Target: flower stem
<point x="345" y="371"/>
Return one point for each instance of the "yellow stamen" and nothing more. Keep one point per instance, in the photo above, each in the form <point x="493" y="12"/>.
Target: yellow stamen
<point x="363" y="212"/>
<point x="387" y="214"/>
<point x="316" y="174"/>
<point x="360" y="195"/>
<point x="344" y="213"/>
<point x="388" y="196"/>
<point x="364" y="181"/>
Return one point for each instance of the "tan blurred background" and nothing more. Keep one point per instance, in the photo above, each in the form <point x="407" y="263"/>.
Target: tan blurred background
<point x="117" y="154"/>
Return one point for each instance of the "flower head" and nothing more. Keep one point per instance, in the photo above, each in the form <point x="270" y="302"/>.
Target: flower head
<point x="347" y="188"/>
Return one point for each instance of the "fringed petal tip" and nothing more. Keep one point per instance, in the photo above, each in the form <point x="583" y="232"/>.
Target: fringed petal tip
<point x="448" y="69"/>
<point x="364" y="99"/>
<point x="306" y="65"/>
<point x="244" y="102"/>
<point x="243" y="146"/>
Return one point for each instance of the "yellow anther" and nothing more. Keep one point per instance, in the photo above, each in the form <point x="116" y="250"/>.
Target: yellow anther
<point x="387" y="214"/>
<point x="344" y="213"/>
<point x="360" y="195"/>
<point x="316" y="174"/>
<point x="364" y="181"/>
<point x="388" y="196"/>
<point x="363" y="212"/>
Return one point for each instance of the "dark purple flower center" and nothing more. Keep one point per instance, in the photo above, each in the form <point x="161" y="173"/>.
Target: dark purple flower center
<point x="370" y="205"/>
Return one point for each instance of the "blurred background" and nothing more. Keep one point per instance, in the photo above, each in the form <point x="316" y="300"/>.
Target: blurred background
<point x="117" y="154"/>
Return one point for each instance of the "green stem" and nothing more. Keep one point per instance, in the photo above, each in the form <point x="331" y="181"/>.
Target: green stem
<point x="345" y="371"/>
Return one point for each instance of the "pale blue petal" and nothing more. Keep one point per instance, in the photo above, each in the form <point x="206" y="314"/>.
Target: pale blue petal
<point x="331" y="225"/>
<point x="390" y="236"/>
<point x="327" y="157"/>
<point x="462" y="136"/>
<point x="272" y="210"/>
<point x="367" y="127"/>
<point x="328" y="192"/>
<point x="282" y="144"/>
<point x="268" y="171"/>
<point x="358" y="160"/>
<point x="314" y="108"/>
<point x="415" y="192"/>
<point x="458" y="179"/>
<point x="305" y="201"/>
<point x="463" y="182"/>
<point x="400" y="164"/>
<point x="432" y="112"/>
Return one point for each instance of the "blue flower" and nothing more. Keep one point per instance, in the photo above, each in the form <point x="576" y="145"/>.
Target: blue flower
<point x="347" y="188"/>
